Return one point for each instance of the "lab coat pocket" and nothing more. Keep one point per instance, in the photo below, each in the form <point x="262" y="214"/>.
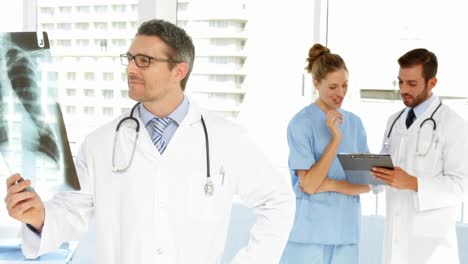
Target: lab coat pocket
<point x="437" y="223"/>
<point x="206" y="206"/>
<point x="429" y="155"/>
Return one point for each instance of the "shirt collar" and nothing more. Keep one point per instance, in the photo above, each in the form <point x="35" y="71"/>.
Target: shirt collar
<point x="421" y="108"/>
<point x="177" y="115"/>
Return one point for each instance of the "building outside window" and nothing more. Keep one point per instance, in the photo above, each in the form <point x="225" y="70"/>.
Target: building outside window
<point x="82" y="26"/>
<point x="119" y="8"/>
<point x="119" y="25"/>
<point x="89" y="92"/>
<point x="108" y="76"/>
<point x="70" y="109"/>
<point x="100" y="9"/>
<point x="100" y="25"/>
<point x="108" y="94"/>
<point x="64" y="43"/>
<point x="64" y="26"/>
<point x="71" y="76"/>
<point x="82" y="9"/>
<point x="65" y="10"/>
<point x="108" y="111"/>
<point x="88" y="110"/>
<point x="89" y="76"/>
<point x="70" y="92"/>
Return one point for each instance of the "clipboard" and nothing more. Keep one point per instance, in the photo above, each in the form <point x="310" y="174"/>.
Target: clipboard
<point x="357" y="167"/>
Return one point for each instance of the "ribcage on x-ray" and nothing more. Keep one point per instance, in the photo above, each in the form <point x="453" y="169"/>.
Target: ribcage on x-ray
<point x="31" y="121"/>
<point x="21" y="73"/>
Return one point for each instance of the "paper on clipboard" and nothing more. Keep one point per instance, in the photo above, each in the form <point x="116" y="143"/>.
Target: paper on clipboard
<point x="357" y="167"/>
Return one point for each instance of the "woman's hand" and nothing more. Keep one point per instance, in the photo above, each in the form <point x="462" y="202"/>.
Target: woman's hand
<point x="328" y="185"/>
<point x="342" y="186"/>
<point x="333" y="118"/>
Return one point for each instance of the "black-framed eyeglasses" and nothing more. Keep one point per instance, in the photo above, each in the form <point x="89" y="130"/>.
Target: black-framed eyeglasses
<point x="142" y="60"/>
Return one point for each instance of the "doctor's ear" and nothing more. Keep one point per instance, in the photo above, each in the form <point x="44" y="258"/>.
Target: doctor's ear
<point x="432" y="82"/>
<point x="181" y="70"/>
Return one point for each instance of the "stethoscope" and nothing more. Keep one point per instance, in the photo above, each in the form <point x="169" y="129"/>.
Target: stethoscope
<point x="209" y="185"/>
<point x="430" y="119"/>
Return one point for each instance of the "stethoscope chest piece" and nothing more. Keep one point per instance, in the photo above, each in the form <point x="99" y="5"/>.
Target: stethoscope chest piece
<point x="209" y="187"/>
<point x="387" y="143"/>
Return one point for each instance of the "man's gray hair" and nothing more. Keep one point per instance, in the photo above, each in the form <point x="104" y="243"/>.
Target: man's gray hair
<point x="176" y="38"/>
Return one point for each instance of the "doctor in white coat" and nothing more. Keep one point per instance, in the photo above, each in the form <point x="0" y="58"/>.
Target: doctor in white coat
<point x="163" y="208"/>
<point x="427" y="186"/>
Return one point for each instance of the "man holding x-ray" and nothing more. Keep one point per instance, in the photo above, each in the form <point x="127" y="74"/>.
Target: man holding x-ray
<point x="428" y="144"/>
<point x="164" y="196"/>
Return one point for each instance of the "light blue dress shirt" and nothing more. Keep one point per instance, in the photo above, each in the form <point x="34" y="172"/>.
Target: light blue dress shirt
<point x="329" y="218"/>
<point x="176" y="117"/>
<point x="421" y="108"/>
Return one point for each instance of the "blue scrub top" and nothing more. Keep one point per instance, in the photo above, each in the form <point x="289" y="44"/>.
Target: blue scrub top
<point x="329" y="218"/>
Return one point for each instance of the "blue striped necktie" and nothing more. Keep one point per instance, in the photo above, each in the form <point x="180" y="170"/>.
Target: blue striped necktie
<point x="159" y="124"/>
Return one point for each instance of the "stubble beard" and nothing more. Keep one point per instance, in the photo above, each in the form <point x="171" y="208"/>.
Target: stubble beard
<point x="420" y="98"/>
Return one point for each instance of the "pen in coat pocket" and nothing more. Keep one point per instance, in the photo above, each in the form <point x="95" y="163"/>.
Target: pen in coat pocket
<point x="221" y="172"/>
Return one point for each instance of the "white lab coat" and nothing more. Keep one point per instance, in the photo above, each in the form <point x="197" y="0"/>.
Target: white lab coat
<point x="421" y="226"/>
<point x="157" y="211"/>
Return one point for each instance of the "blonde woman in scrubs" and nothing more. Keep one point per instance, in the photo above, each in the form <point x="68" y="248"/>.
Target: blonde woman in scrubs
<point x="328" y="211"/>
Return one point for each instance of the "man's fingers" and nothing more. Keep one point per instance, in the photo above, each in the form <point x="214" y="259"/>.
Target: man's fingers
<point x="382" y="175"/>
<point x="382" y="170"/>
<point x="388" y="179"/>
<point x="15" y="199"/>
<point x="19" y="187"/>
<point x="12" y="180"/>
<point x="388" y="182"/>
<point x="21" y="208"/>
<point x="26" y="205"/>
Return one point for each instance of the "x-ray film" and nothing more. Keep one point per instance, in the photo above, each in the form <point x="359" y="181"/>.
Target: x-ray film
<point x="33" y="138"/>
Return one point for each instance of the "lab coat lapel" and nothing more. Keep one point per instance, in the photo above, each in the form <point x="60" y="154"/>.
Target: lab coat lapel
<point x="417" y="123"/>
<point x="194" y="114"/>
<point x="176" y="171"/>
<point x="401" y="123"/>
<point x="405" y="139"/>
<point x="193" y="117"/>
<point x="144" y="142"/>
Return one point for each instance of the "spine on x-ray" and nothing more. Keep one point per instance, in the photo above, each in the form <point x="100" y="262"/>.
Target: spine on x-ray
<point x="21" y="72"/>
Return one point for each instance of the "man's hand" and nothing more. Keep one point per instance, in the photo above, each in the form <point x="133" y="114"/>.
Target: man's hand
<point x="397" y="178"/>
<point x="22" y="205"/>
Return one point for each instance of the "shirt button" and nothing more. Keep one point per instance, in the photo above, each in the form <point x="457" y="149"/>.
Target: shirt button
<point x="159" y="251"/>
